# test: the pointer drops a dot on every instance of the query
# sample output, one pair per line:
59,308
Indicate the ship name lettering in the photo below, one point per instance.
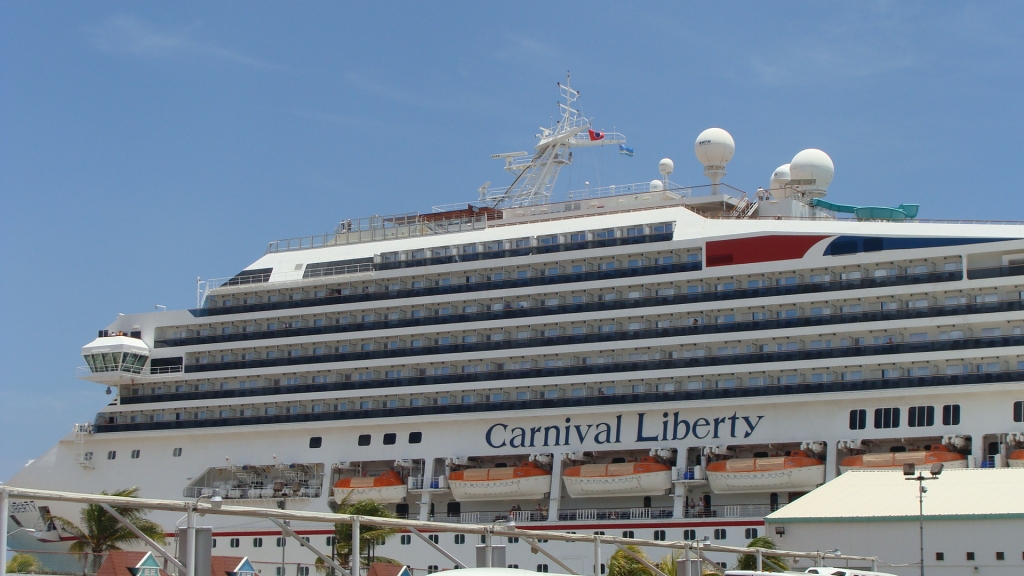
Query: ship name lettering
672,427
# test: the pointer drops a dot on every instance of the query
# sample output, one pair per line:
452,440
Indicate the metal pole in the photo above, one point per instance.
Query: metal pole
190,542
149,541
760,562
920,516
3,530
284,543
597,555
488,551
355,546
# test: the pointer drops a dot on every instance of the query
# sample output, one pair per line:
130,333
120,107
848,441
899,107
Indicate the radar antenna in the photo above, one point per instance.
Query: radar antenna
536,175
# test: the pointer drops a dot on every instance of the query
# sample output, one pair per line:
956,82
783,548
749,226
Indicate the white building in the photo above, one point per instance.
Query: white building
973,521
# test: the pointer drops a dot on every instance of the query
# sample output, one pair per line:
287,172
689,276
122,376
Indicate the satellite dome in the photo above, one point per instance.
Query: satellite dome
657,186
714,147
780,178
811,171
666,166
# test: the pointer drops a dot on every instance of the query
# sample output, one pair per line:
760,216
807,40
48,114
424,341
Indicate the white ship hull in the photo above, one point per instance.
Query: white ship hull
790,480
646,484
531,488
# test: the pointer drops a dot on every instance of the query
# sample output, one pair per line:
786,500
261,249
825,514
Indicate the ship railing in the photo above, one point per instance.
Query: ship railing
616,514
434,483
378,228
253,493
209,285
86,372
524,516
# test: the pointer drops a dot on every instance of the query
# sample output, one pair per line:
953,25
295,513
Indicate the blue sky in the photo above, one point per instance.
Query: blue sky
145,144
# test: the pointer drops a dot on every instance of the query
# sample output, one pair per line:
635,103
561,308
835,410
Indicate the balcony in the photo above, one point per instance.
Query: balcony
730,511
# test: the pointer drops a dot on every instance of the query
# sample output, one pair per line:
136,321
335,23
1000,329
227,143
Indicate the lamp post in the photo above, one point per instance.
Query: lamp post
909,470
216,501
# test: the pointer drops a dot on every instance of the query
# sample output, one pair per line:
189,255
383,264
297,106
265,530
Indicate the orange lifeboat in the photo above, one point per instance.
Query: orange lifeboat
1016,459
528,481
648,477
893,460
386,488
797,472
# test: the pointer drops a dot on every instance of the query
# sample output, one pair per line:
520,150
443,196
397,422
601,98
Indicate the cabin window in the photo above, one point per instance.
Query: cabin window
176,452
951,415
720,534
415,437
921,416
1018,412
750,533
234,542
406,539
970,556
364,440
112,454
627,533
659,535
887,417
316,441
689,535
542,567
390,438
460,538
1000,555
136,454
940,556
257,542
431,569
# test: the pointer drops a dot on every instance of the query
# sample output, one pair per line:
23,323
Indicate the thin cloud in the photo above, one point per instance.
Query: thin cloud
524,49
129,35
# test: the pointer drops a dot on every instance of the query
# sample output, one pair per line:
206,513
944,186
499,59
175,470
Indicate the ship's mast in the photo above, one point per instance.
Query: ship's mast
536,175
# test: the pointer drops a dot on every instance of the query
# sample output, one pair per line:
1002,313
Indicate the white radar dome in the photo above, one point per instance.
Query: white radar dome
780,178
657,186
666,166
811,172
714,147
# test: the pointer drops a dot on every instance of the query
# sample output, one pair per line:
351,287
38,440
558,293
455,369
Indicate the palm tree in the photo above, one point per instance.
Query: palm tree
23,563
99,532
768,563
622,564
369,536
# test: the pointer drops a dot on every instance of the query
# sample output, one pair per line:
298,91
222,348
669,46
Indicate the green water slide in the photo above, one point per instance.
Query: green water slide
901,212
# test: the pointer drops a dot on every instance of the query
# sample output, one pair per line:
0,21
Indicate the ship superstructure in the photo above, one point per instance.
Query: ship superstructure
666,361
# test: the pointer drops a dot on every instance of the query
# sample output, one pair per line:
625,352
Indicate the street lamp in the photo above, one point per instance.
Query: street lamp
909,470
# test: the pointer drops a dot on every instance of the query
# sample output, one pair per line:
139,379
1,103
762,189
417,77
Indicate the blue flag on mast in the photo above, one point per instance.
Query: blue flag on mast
623,149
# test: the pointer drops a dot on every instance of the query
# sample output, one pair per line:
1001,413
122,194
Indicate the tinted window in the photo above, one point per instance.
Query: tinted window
364,439
390,438
415,437
316,442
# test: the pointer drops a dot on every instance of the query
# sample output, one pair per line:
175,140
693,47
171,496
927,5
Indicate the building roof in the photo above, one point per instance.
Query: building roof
382,569
118,562
878,495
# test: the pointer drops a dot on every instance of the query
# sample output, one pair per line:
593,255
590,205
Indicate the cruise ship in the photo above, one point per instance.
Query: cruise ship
652,360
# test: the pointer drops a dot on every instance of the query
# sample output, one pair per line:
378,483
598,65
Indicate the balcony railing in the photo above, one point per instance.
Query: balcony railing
626,398
614,514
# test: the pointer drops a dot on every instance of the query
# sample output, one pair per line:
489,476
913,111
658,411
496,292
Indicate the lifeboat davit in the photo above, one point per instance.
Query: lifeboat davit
892,460
1016,459
798,472
525,482
387,488
648,477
